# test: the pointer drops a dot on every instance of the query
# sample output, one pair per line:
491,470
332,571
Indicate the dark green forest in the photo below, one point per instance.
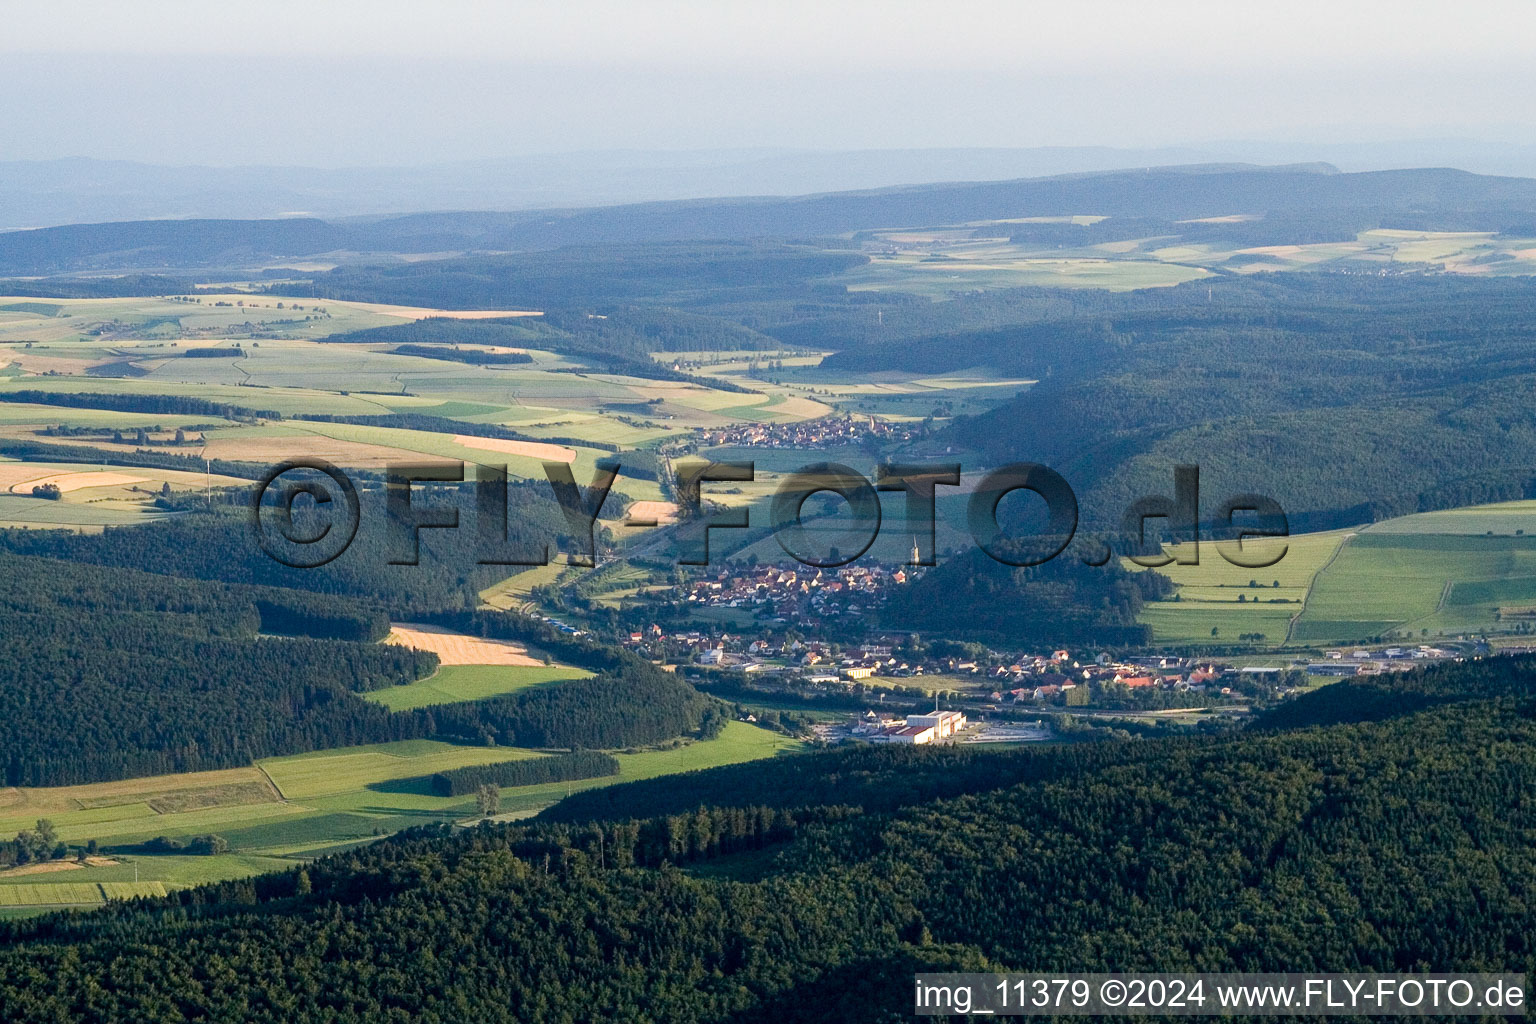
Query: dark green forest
111,673
454,354
1345,398
813,885
579,764
219,545
1063,601
114,674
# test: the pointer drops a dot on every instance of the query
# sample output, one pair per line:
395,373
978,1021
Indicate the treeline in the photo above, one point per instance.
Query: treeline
1303,227
215,352
97,287
38,451
174,405
578,764
445,425
627,702
445,331
32,846
200,846
619,341
636,705
821,884
477,357
598,277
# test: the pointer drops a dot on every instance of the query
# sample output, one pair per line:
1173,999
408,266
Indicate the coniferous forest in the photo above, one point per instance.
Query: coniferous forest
813,888
113,674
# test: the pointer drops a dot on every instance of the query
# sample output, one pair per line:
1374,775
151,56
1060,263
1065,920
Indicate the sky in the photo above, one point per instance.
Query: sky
347,84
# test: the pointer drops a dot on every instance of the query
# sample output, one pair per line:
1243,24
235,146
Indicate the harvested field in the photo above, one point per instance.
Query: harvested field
49,867
527,449
275,449
459,649
665,513
75,481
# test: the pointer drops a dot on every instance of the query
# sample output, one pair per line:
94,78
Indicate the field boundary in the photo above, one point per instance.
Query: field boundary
1290,629
281,796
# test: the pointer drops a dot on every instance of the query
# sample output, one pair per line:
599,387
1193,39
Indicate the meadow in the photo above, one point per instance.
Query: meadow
1208,593
137,346
286,810
1433,574
938,263
516,591
1417,584
452,684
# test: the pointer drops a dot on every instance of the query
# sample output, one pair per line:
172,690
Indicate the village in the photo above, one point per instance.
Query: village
826,432
792,594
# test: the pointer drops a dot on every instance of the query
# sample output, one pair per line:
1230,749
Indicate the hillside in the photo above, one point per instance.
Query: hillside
1171,194
1345,398
109,673
1384,845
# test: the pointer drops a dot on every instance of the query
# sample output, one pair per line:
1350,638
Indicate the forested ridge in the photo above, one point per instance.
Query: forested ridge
108,673
115,674
1347,398
452,353
219,545
618,341
1059,602
816,885
1447,199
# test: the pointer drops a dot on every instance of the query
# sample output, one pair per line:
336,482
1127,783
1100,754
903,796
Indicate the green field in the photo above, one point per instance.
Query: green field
1507,518
738,743
330,800
944,270
338,799
1463,570
452,684
1174,624
352,770
18,510
1208,593
516,591
1420,584
22,894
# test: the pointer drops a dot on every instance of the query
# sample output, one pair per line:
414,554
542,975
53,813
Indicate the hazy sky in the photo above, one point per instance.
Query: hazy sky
387,82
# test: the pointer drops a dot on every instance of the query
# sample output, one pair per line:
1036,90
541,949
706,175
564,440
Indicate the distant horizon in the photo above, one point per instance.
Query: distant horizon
80,190
1234,150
